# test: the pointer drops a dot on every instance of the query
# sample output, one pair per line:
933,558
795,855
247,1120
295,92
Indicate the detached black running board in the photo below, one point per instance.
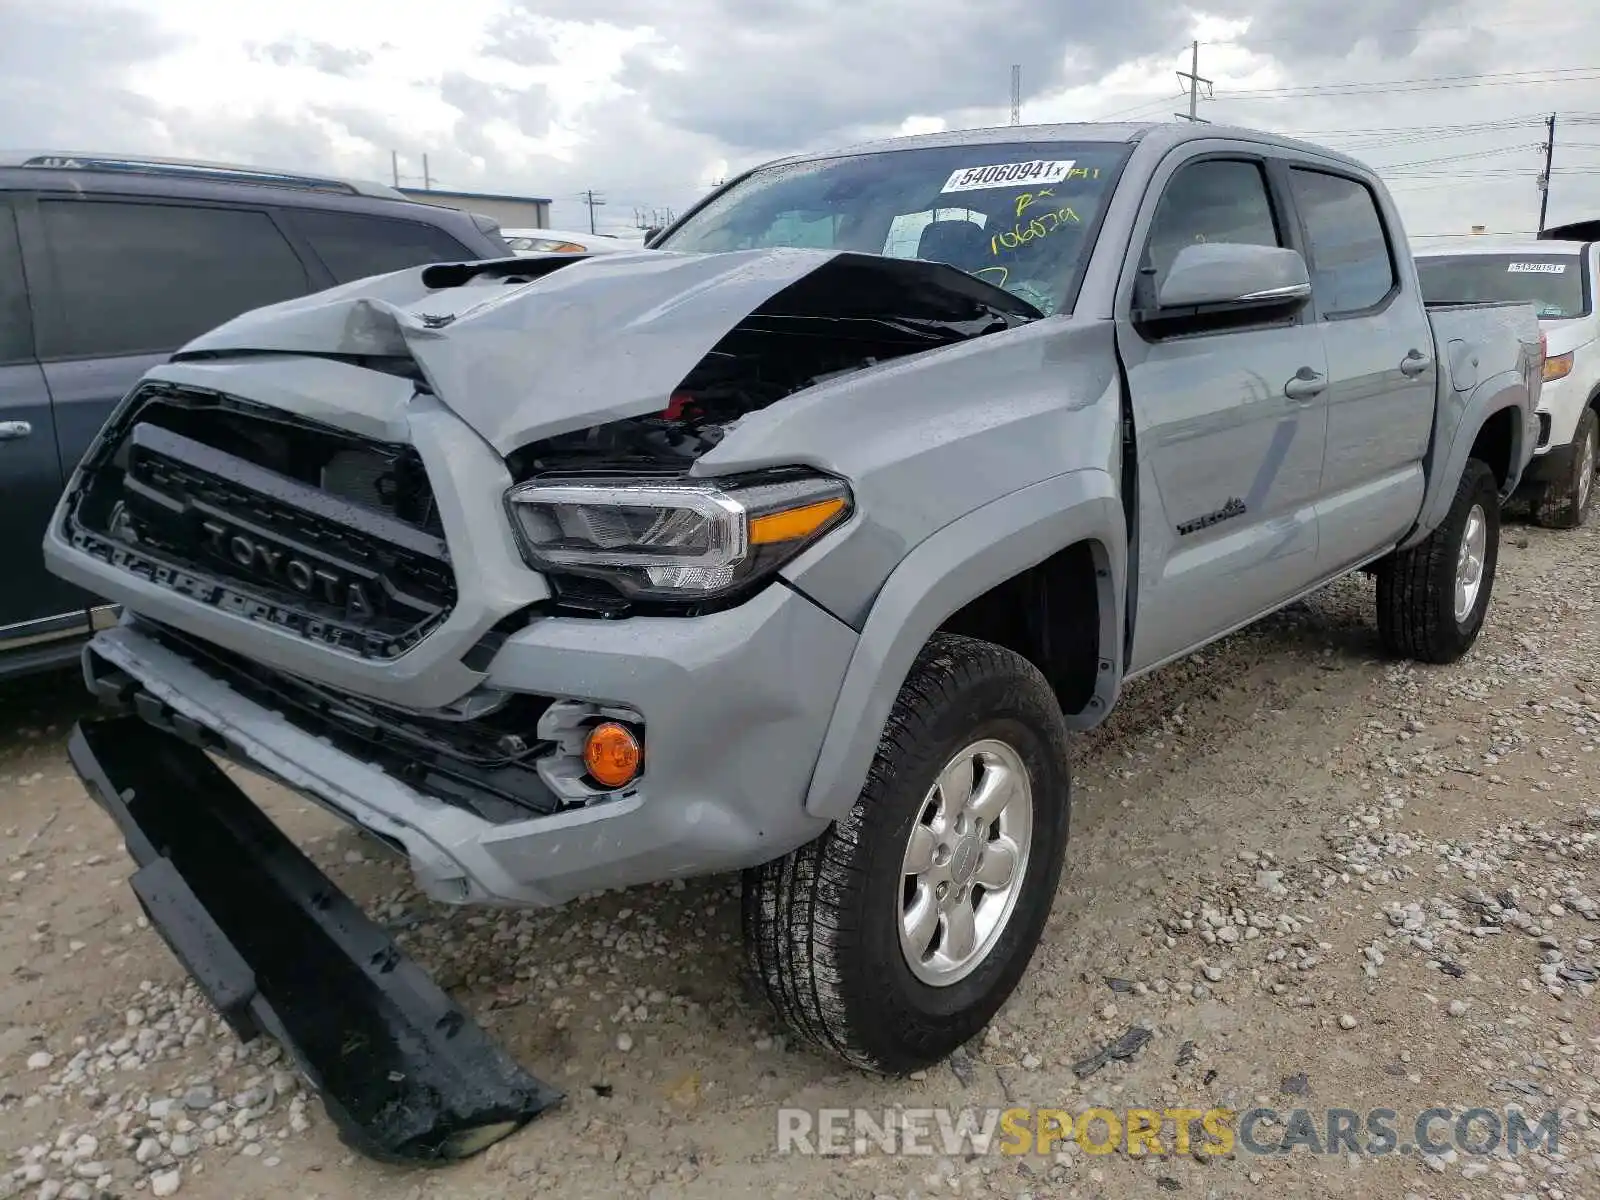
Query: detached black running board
404,1073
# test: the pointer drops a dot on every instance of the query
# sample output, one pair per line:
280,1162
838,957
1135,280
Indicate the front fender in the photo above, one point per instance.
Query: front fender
951,567
1447,458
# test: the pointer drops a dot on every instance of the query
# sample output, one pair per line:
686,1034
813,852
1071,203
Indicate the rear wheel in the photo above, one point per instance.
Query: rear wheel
1433,597
894,938
1565,503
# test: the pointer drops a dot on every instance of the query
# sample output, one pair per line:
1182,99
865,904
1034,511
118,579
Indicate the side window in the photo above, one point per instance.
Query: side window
353,247
144,278
1351,267
16,332
1214,200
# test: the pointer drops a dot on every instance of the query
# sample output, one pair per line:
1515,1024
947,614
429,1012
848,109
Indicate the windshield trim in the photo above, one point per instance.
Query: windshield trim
1091,232
1585,297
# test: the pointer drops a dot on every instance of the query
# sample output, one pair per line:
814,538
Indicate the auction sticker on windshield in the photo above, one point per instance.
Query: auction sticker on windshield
1539,268
1040,170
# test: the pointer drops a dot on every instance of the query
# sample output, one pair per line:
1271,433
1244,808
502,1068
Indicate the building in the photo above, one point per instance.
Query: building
513,212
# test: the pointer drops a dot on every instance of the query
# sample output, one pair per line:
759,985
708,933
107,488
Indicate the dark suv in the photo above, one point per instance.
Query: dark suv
107,265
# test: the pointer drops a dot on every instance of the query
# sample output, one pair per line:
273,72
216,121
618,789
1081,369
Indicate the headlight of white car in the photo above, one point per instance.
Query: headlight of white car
679,540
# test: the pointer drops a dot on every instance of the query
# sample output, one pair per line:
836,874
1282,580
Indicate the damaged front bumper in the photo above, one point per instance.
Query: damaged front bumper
405,1074
733,705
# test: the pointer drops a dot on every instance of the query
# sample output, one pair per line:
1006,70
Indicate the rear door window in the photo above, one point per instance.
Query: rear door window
1351,268
353,246
16,333
136,278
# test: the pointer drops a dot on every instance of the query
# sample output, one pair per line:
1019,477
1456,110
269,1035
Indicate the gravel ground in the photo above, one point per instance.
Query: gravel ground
1315,878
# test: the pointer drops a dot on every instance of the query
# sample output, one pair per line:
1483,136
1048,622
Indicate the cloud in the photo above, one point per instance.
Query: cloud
770,77
319,56
647,102
64,74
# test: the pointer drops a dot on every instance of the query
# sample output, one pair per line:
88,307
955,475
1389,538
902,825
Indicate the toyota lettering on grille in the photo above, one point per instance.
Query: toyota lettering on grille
277,564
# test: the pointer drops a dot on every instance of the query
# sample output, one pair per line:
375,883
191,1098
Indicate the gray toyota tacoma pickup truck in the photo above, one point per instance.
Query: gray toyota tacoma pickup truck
798,544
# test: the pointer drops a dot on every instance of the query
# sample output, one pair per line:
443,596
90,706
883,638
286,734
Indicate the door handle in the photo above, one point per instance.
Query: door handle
1415,363
1305,385
11,431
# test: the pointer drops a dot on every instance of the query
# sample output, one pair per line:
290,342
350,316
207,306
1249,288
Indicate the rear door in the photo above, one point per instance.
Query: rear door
1381,366
128,281
354,245
34,605
1229,419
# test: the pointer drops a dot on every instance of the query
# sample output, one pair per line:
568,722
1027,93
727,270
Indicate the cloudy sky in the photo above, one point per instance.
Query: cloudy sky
648,103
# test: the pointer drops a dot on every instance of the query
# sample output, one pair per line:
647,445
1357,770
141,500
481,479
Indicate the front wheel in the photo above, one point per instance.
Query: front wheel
893,938
1433,597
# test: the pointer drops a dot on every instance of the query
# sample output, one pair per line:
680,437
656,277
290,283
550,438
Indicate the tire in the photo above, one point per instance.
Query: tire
1566,503
1417,593
823,925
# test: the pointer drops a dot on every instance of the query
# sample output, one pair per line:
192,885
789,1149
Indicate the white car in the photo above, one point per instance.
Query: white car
1559,278
564,241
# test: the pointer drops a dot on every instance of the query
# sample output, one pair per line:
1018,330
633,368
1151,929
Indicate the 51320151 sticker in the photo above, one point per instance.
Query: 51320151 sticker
1538,268
1039,171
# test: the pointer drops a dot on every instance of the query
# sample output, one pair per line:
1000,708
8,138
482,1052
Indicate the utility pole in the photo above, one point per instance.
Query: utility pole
593,201
1544,179
1016,93
394,170
1195,80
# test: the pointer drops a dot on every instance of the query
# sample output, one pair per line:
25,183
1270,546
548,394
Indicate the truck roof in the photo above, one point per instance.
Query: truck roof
1480,245
1166,134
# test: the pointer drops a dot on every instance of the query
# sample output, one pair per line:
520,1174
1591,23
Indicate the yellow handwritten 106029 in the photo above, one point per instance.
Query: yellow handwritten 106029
1038,227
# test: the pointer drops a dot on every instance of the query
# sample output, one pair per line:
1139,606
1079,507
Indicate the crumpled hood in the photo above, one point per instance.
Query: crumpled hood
594,339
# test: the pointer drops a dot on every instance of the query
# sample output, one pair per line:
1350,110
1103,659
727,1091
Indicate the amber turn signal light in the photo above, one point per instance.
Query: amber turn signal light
1558,367
791,524
612,754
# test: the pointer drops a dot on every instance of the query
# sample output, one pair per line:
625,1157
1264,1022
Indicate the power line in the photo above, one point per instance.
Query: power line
1146,107
1451,158
1420,84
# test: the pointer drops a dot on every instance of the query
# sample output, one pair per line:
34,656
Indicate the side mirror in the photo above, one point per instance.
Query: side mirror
651,234
1219,278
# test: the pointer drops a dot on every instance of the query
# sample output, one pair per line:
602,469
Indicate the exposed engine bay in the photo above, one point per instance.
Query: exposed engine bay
851,314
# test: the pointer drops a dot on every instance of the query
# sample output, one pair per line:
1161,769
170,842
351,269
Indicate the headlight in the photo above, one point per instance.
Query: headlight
1558,366
678,540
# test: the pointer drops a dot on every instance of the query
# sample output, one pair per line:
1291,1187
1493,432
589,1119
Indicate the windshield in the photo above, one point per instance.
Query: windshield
1553,283
1016,214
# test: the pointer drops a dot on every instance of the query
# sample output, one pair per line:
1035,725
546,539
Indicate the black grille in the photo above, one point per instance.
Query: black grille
278,520
484,765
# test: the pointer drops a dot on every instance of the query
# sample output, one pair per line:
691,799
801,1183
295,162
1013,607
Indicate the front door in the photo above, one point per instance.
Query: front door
1230,422
34,604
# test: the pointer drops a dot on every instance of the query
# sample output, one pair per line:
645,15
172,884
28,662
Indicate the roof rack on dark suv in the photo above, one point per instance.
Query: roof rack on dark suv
110,262
201,169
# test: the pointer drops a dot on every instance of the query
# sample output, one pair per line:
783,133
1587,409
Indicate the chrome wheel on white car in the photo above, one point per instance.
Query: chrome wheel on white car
1565,503
1586,469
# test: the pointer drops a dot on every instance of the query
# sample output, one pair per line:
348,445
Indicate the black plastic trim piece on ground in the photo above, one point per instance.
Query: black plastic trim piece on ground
404,1073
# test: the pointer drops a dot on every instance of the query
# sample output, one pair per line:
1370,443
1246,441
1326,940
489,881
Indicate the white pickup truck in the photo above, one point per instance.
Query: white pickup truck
1557,274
